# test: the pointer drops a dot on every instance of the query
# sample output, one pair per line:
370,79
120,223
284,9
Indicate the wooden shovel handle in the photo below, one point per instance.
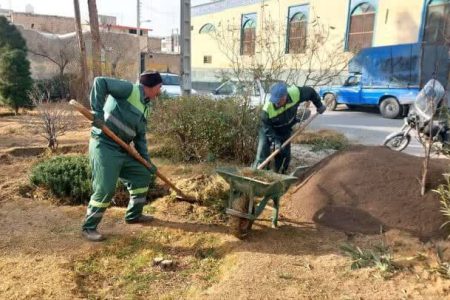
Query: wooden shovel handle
85,112
297,132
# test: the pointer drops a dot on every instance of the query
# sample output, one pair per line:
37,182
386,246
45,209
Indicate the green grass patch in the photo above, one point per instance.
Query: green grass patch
378,257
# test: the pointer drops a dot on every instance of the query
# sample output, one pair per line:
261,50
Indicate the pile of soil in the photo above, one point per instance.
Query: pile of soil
364,189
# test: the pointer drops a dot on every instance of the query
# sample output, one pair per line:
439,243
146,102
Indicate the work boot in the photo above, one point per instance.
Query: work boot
141,219
92,235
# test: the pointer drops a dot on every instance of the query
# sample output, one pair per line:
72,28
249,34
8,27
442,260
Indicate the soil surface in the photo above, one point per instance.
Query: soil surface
369,189
43,256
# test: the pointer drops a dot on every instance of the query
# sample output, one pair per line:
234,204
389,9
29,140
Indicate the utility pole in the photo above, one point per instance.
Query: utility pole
138,29
185,46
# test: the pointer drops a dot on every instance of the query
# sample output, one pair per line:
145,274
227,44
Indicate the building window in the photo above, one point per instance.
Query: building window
207,28
296,29
207,59
362,23
437,22
248,34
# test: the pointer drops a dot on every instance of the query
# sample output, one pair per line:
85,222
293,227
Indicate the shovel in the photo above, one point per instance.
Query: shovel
297,132
131,151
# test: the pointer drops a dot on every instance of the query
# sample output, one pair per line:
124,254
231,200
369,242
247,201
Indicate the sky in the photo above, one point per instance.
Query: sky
164,14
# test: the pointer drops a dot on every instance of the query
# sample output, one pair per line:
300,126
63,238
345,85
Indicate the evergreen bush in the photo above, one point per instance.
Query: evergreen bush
69,179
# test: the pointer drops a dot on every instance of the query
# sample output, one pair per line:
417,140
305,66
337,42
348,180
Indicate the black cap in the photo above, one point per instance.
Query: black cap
150,79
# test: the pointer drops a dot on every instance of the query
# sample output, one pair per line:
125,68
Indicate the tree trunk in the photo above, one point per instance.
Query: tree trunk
62,88
96,43
83,60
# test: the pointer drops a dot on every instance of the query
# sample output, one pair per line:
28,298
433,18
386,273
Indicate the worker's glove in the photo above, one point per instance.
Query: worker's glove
277,145
152,168
98,122
321,109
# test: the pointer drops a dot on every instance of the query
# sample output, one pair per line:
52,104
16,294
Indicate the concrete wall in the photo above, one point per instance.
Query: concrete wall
119,55
44,23
398,22
163,62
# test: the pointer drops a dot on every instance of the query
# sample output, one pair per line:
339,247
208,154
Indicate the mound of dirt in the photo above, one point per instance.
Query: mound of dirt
364,189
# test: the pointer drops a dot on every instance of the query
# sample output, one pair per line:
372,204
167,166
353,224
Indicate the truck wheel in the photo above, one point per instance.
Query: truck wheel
330,101
390,108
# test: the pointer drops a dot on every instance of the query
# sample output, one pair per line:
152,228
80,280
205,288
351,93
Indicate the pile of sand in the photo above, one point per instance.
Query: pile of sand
365,188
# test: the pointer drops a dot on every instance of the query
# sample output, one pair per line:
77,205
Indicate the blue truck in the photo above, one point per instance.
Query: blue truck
389,77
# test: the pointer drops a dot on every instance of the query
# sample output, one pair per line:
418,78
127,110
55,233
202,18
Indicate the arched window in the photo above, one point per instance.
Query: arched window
362,22
207,28
437,22
297,33
248,34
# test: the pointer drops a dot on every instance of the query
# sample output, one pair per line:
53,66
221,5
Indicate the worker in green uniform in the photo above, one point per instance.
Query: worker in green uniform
278,116
123,107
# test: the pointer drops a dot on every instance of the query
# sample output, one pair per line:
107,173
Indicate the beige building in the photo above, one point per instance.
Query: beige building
252,32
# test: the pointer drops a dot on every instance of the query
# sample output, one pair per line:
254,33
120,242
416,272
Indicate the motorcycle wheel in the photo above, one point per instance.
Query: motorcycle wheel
397,142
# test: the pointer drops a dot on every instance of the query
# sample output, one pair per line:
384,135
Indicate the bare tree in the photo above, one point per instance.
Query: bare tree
437,106
57,49
319,61
83,60
52,120
96,41
118,48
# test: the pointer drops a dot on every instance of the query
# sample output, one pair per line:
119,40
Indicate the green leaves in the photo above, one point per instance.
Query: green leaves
15,76
10,37
379,257
202,129
67,177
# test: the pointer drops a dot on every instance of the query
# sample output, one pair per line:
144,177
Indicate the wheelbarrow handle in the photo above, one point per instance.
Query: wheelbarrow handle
297,132
85,112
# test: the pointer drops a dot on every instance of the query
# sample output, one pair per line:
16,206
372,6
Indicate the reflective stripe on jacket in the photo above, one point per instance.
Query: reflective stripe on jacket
125,111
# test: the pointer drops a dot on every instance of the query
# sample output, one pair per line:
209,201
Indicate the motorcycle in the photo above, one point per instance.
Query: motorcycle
439,134
419,121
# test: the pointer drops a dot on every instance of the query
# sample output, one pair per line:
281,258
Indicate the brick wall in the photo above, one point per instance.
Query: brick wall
44,23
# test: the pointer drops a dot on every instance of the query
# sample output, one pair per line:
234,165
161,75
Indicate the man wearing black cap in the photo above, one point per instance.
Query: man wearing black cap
123,107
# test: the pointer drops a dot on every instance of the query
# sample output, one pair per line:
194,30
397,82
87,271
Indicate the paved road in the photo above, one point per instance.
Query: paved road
364,126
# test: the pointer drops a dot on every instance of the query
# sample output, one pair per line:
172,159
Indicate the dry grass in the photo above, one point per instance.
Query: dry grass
323,139
124,267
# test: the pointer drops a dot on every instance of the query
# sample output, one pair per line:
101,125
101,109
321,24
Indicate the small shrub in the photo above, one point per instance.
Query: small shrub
444,193
67,177
378,257
202,129
443,268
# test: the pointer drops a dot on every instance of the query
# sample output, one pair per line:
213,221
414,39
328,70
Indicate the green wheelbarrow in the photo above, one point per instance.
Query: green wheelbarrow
250,191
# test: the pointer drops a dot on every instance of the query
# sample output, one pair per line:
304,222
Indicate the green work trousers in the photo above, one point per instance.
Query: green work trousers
282,159
109,164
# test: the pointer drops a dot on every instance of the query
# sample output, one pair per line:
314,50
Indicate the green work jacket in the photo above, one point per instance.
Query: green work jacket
124,108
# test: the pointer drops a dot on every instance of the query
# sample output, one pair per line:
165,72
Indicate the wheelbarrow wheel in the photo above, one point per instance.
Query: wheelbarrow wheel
240,226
